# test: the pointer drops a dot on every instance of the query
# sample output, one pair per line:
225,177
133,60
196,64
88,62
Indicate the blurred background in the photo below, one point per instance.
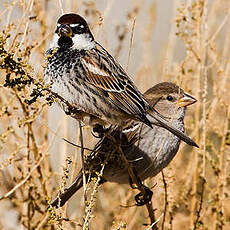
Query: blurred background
186,42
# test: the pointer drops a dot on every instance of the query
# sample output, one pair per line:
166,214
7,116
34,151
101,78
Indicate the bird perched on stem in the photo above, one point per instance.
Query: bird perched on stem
85,75
148,150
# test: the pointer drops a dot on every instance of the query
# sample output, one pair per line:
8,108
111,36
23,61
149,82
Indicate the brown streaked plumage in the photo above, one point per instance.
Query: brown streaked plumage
149,149
82,72
87,76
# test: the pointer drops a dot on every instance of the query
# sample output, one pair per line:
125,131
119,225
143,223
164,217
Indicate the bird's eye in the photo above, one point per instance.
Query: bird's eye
78,28
169,98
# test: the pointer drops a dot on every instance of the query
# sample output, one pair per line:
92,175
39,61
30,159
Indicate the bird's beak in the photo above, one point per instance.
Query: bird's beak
65,30
186,100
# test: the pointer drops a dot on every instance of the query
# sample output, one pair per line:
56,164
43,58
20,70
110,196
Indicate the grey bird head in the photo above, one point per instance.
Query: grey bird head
169,99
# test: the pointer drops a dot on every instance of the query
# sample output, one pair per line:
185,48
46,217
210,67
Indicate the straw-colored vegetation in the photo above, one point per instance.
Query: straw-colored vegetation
191,47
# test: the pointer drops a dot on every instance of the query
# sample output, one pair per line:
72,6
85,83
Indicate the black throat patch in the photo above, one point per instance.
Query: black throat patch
65,42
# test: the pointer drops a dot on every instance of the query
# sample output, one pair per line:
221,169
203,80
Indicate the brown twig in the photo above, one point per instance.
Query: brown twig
75,145
166,200
131,43
138,183
83,162
23,181
151,215
200,204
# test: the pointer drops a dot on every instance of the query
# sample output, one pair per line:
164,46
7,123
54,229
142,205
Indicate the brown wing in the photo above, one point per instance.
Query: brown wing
132,131
103,72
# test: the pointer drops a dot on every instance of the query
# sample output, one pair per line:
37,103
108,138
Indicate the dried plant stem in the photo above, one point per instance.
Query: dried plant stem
196,164
166,200
29,126
220,27
200,205
137,182
24,180
170,49
154,223
61,6
152,215
202,72
131,43
92,198
43,222
83,161
221,180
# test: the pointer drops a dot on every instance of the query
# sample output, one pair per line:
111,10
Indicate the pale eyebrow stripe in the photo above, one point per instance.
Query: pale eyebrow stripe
74,25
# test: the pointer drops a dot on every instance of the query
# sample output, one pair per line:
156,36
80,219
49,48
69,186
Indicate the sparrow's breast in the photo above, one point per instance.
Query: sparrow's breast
153,152
66,76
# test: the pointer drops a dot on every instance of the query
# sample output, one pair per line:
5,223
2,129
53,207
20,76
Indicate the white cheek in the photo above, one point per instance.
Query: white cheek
82,41
54,42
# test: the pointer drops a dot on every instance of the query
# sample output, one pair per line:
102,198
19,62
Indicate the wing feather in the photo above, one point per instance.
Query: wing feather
104,73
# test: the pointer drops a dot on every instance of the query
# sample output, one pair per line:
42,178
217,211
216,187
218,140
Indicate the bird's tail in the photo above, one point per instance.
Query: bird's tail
60,200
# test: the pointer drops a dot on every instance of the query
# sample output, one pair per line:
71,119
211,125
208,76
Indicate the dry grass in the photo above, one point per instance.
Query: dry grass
191,47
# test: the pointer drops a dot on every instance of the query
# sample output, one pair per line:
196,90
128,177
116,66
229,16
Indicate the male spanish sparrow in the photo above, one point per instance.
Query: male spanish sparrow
82,72
148,149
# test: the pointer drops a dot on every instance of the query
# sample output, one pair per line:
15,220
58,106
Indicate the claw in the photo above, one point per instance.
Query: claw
99,131
144,199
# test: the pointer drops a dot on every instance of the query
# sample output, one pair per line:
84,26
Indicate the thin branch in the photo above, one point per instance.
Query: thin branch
23,181
200,204
90,206
79,146
154,223
135,180
131,42
152,216
166,200
83,162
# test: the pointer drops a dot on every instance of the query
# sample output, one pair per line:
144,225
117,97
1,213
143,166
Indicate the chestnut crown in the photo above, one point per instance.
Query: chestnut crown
77,24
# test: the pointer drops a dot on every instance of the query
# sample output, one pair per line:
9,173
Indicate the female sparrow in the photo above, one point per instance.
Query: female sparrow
148,149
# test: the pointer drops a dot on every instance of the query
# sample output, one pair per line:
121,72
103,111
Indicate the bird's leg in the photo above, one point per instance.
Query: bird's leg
132,185
138,180
144,190
145,195
99,131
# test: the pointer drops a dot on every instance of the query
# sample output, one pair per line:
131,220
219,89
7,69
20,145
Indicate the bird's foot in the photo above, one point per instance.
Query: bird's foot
142,199
99,131
71,110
